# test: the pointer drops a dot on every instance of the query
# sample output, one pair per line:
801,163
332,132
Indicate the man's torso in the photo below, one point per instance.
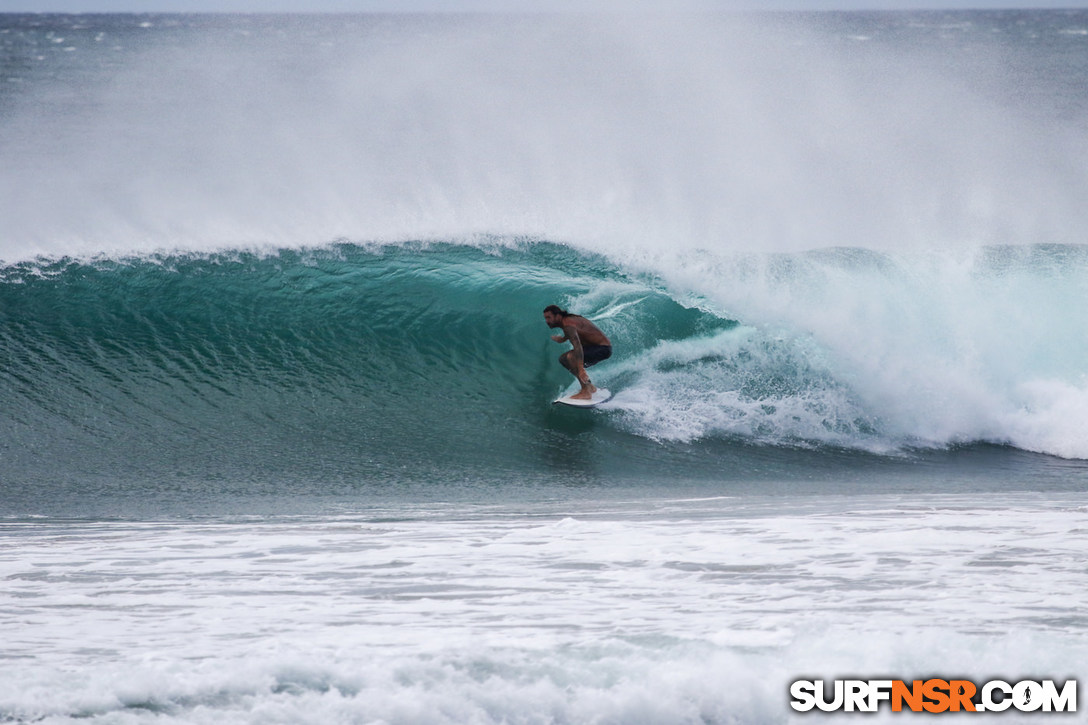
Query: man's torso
588,333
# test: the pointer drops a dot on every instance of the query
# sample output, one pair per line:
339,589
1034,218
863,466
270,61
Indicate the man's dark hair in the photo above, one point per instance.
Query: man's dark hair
555,310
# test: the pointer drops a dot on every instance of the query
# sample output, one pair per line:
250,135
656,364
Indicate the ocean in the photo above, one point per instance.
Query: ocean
276,434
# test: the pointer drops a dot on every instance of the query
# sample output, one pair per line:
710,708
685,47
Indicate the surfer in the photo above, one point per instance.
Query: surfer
588,346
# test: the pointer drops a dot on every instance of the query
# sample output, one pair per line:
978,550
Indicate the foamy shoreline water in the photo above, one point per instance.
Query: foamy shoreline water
695,609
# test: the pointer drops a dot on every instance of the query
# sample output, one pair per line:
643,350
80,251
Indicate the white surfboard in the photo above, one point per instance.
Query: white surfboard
601,396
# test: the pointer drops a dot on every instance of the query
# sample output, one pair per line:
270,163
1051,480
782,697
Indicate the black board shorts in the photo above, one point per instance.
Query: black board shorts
593,354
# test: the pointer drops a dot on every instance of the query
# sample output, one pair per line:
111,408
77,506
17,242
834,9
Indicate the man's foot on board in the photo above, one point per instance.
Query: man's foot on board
585,393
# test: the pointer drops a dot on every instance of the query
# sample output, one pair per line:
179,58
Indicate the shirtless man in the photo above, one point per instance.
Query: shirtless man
588,346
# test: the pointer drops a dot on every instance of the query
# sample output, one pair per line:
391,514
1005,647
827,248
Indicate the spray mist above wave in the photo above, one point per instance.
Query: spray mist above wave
621,132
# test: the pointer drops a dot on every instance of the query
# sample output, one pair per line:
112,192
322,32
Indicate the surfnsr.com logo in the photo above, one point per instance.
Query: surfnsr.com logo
934,696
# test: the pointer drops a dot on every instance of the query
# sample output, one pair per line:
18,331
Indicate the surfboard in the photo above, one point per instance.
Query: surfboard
601,396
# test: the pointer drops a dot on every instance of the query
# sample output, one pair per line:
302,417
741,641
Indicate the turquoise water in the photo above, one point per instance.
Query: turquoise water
305,379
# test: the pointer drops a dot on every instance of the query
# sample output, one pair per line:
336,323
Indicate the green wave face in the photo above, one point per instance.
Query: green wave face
357,366
345,362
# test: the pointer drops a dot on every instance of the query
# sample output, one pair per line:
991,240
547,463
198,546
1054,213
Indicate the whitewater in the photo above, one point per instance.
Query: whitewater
276,433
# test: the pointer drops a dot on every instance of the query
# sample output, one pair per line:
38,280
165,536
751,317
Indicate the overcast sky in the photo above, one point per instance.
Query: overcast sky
492,5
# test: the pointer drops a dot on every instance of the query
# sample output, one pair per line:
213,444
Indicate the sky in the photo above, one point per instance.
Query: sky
90,6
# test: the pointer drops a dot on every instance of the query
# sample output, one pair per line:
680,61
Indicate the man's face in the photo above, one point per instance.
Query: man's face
552,320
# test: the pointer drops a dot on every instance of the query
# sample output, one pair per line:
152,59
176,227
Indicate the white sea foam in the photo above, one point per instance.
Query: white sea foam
746,384
660,612
877,351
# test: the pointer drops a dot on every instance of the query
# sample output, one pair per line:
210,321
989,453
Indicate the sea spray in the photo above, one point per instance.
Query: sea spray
633,132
